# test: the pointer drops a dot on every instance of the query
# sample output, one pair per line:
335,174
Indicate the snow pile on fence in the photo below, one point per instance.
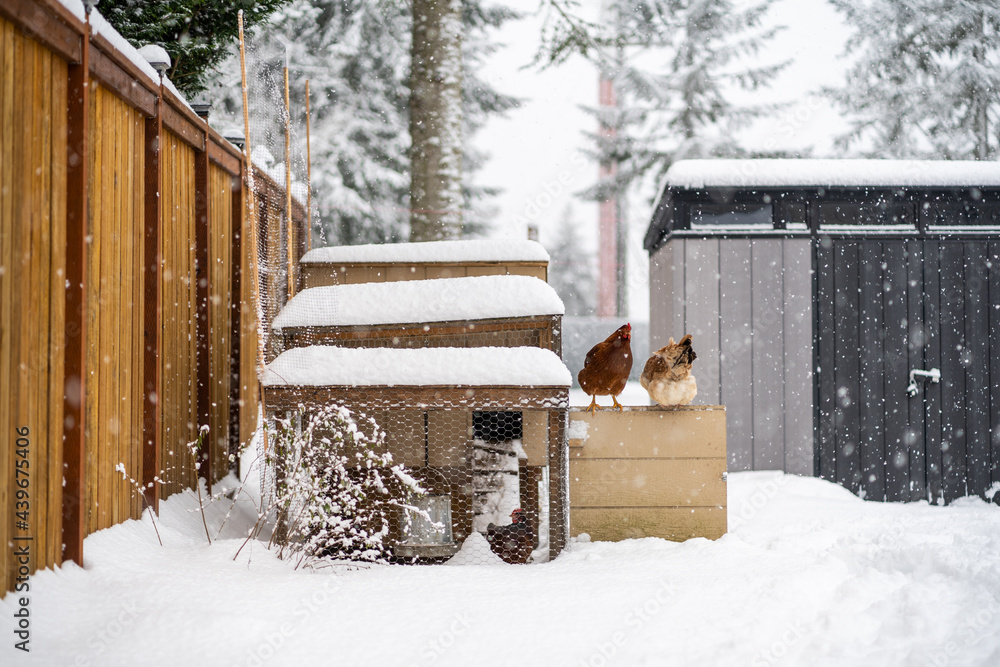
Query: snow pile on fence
441,300
445,252
831,173
319,366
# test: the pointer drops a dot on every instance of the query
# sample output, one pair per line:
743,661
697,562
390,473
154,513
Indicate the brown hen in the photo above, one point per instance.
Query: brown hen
606,368
513,543
667,374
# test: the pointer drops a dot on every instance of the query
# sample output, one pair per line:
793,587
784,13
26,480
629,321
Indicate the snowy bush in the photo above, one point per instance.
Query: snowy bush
336,486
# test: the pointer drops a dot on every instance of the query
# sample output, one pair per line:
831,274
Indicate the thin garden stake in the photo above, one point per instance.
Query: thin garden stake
288,189
309,169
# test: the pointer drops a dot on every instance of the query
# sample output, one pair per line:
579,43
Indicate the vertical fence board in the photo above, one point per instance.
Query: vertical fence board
916,339
896,359
32,291
736,350
932,403
798,358
768,350
953,436
871,355
994,301
57,205
847,367
976,360
220,308
179,399
701,260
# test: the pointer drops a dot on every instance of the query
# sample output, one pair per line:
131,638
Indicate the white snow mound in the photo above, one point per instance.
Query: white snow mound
319,366
475,551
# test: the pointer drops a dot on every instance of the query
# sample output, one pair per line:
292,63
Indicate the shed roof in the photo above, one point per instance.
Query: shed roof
320,366
439,300
831,173
480,250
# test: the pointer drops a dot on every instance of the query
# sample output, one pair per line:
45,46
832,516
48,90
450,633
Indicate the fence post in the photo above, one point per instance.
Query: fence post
153,316
235,320
75,351
202,221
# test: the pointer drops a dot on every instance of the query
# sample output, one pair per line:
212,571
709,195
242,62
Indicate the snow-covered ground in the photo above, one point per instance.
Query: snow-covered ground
808,575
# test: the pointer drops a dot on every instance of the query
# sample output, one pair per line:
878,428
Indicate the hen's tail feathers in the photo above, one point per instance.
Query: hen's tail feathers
686,354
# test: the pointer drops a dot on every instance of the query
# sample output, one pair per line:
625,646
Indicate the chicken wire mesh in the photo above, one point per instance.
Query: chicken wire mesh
483,480
489,457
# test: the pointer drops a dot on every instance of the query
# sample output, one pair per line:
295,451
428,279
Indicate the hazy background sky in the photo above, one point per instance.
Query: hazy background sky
541,139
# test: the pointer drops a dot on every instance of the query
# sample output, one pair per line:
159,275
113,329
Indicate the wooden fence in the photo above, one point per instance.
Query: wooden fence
125,318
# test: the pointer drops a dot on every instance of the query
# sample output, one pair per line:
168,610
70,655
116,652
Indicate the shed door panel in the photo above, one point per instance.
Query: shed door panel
888,306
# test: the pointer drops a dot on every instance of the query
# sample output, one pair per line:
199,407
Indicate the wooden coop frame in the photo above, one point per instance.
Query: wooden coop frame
541,331
429,402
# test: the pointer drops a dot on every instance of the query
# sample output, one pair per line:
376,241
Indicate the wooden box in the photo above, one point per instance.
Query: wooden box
648,472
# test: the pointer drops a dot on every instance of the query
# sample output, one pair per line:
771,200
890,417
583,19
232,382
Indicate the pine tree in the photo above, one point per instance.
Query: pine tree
675,66
356,55
197,34
571,271
927,81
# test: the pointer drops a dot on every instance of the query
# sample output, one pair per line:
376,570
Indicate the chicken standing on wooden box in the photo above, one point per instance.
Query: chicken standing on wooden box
607,366
667,375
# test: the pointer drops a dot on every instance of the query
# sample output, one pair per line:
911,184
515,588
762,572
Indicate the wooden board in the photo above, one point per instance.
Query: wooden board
798,360
114,364
178,398
661,302
671,523
768,353
701,259
317,275
646,483
736,357
688,432
219,313
33,190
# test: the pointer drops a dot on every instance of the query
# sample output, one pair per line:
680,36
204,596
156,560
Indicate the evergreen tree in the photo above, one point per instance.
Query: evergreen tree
571,270
196,34
927,81
356,55
676,66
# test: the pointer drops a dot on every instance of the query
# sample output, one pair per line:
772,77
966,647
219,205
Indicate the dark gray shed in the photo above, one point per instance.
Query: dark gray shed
822,295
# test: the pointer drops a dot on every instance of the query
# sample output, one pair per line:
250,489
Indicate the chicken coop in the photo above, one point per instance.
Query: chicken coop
463,374
847,313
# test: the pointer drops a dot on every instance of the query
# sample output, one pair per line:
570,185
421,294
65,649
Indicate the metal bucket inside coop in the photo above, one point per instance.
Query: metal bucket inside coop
427,531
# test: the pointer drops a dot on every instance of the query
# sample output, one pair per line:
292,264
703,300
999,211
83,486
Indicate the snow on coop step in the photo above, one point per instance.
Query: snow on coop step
648,472
391,262
501,311
443,366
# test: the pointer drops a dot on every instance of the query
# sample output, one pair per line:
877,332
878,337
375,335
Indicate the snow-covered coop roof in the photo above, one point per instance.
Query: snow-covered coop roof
320,366
440,300
484,250
831,173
